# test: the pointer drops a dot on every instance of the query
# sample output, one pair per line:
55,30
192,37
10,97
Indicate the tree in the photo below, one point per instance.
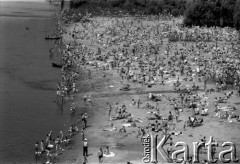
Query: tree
236,15
227,12
213,13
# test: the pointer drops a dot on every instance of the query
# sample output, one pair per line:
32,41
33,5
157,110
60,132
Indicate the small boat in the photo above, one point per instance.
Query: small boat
52,38
57,65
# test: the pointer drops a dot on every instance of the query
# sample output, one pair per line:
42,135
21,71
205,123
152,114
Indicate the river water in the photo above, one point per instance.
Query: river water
27,80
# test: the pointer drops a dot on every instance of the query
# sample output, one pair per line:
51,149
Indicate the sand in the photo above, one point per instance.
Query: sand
126,146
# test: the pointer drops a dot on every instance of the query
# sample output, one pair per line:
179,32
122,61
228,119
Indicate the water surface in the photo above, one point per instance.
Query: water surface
27,80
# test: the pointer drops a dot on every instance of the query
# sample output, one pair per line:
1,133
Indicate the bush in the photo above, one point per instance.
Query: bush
236,19
153,8
175,12
128,5
213,13
140,3
78,3
236,16
118,3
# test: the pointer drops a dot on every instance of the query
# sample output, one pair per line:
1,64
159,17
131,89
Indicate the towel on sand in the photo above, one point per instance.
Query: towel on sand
112,154
110,129
127,124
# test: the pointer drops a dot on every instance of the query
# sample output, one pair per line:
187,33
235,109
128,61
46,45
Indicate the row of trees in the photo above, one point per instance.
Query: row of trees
196,12
175,7
213,13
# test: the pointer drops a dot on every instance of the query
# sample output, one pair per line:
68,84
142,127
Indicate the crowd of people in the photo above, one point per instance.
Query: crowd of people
147,52
49,149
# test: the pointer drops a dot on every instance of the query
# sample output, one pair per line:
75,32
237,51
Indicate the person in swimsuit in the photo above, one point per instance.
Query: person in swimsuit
107,152
100,155
36,148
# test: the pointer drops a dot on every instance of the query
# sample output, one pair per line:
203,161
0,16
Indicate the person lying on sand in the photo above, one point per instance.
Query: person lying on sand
130,119
123,129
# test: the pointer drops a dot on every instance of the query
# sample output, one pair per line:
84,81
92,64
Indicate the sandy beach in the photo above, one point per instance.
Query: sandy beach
104,87
119,81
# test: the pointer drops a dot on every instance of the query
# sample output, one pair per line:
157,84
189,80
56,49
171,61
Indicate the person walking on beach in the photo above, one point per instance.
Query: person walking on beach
89,74
100,155
82,134
84,120
85,148
138,103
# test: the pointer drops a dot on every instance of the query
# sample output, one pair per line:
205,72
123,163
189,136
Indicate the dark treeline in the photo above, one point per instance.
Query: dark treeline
196,12
213,13
174,7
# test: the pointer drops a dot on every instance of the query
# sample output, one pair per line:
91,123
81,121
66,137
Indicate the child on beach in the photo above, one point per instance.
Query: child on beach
133,102
107,152
85,160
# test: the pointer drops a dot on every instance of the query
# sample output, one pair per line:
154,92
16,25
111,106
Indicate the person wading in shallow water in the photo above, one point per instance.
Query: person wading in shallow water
36,148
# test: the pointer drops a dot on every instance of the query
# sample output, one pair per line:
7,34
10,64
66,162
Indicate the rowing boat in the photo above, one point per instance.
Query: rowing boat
57,65
52,38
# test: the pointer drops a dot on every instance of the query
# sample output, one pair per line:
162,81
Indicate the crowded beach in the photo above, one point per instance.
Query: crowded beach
124,78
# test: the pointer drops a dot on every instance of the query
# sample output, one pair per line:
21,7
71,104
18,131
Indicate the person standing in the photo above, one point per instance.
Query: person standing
205,78
82,134
74,87
42,147
89,74
36,148
109,110
116,109
57,142
85,148
100,155
62,4
50,135
61,137
84,120
138,103
177,114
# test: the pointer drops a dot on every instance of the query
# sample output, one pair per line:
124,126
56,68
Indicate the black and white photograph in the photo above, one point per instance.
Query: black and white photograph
119,81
